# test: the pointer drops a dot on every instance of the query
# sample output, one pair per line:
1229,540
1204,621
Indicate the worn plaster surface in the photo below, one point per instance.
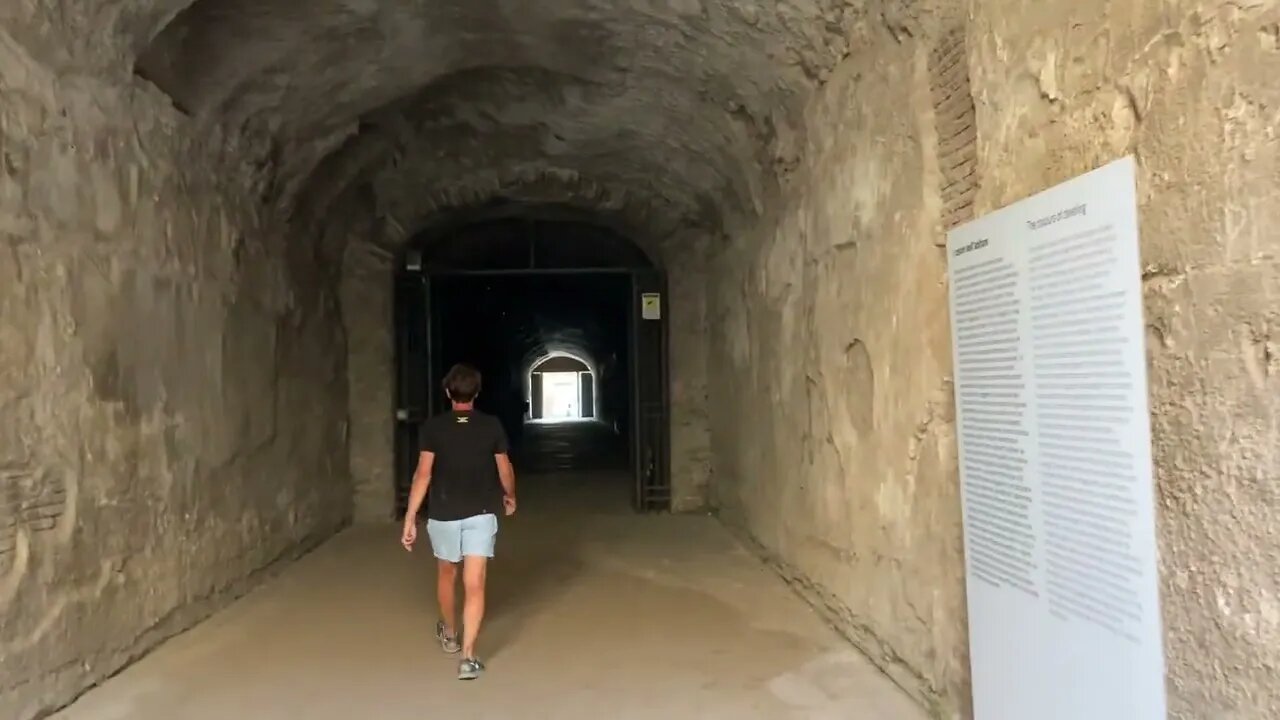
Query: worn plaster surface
1189,89
851,486
831,405
686,309
169,281
160,342
367,318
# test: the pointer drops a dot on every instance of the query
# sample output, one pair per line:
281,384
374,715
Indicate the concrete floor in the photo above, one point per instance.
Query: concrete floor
594,612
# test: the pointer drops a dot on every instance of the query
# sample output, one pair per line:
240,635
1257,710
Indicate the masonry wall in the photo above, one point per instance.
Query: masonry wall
171,380
832,425
367,317
1189,88
831,409
686,308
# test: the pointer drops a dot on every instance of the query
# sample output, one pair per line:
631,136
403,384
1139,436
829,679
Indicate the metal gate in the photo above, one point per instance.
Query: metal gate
587,395
417,373
535,396
650,429
414,375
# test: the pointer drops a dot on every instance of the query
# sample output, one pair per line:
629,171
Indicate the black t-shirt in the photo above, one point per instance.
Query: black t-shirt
464,475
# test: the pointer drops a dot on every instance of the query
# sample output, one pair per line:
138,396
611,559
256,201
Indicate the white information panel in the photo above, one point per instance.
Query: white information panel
1055,456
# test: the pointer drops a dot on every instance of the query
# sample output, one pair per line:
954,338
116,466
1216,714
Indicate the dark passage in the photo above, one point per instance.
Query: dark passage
505,325
550,313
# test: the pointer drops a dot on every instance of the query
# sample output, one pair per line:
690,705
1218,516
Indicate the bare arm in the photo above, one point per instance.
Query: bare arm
506,474
421,481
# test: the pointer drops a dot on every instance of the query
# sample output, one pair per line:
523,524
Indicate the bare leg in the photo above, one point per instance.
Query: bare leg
446,584
473,575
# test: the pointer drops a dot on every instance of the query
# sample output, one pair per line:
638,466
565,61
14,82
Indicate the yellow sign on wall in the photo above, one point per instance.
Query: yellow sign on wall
651,306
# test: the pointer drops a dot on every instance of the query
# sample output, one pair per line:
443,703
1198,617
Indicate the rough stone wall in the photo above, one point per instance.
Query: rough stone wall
830,354
687,349
169,381
367,316
831,404
1190,88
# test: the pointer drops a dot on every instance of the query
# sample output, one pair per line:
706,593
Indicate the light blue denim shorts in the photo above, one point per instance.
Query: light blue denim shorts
453,539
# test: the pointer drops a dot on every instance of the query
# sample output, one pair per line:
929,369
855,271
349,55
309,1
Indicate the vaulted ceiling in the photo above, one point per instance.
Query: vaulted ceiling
654,114
663,113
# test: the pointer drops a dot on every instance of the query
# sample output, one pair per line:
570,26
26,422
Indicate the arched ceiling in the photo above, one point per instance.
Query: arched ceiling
561,362
514,237
664,113
559,344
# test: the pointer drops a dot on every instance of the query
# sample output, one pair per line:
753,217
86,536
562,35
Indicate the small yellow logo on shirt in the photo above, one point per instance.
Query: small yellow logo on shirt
463,418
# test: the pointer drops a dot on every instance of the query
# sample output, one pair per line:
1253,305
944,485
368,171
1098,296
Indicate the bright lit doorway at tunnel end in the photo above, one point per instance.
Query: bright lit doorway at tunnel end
561,396
561,389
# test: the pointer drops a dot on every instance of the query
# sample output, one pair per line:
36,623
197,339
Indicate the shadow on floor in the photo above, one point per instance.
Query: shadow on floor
579,446
531,568
565,472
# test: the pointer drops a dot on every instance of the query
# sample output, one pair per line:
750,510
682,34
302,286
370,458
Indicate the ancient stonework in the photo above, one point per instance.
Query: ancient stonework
171,381
863,515
189,344
366,310
956,121
829,330
690,432
1188,89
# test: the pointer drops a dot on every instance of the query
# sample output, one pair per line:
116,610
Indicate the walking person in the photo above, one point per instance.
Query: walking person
465,473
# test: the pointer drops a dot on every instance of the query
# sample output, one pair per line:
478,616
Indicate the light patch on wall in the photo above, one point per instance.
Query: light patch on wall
892,500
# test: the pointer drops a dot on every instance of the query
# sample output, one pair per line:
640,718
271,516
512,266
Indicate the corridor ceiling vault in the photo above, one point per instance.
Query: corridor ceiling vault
655,114
203,205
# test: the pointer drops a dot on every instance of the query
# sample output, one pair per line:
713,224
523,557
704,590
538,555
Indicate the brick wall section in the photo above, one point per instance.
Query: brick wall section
955,117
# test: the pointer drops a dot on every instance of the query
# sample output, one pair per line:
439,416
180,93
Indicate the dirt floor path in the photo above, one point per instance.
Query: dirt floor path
594,612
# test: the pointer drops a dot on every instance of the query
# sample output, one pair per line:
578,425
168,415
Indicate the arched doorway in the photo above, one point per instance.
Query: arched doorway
561,388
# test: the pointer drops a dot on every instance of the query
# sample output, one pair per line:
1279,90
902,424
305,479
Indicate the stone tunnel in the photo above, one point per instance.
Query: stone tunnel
204,205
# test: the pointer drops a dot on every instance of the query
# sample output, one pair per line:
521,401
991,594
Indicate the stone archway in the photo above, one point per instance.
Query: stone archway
583,378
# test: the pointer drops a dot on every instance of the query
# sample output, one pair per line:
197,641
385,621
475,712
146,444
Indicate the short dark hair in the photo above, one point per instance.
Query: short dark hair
462,383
